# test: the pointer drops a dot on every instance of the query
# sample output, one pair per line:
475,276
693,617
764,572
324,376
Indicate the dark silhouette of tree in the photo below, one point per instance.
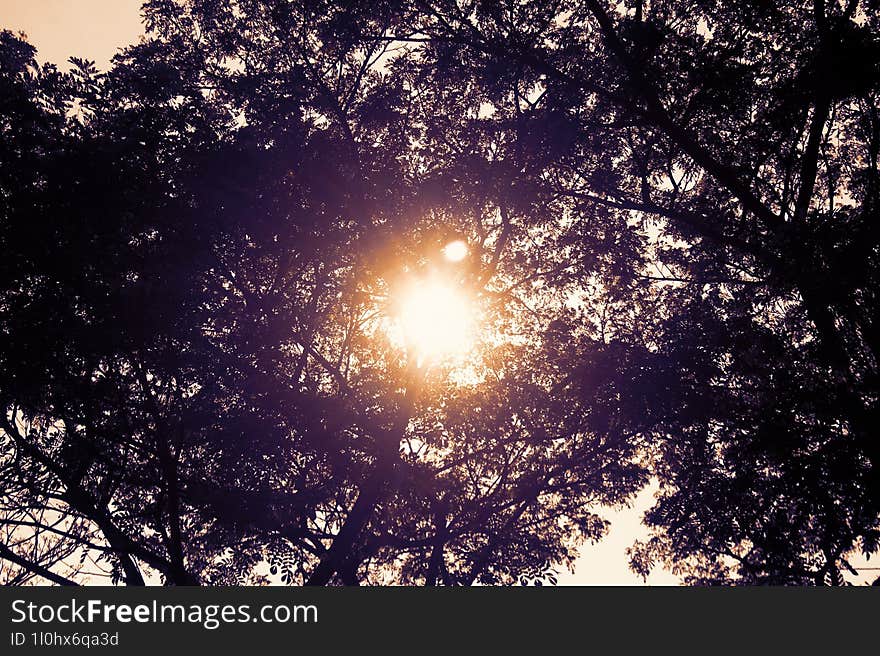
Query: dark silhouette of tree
670,211
745,135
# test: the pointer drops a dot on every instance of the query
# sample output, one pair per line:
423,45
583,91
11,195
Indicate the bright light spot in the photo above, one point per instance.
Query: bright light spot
436,318
455,251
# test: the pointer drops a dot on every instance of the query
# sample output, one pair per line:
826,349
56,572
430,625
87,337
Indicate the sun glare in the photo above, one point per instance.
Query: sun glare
455,251
436,318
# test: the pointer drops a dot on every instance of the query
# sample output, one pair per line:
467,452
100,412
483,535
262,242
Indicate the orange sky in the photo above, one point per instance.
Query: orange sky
96,29
92,29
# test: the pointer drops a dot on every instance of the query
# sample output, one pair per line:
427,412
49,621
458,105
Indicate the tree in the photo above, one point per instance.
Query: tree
746,135
668,211
226,383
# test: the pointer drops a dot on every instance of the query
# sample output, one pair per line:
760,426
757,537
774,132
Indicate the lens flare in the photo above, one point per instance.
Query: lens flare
455,251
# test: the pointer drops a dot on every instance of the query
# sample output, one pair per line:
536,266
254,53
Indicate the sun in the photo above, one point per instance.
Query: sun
436,318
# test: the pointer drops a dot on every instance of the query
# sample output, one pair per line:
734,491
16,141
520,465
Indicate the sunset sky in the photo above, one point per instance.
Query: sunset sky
96,30
93,29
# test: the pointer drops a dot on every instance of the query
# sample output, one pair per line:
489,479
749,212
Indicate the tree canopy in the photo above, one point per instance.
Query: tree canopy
670,211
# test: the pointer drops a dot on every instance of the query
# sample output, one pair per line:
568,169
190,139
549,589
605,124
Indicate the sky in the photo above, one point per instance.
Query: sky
92,29
96,30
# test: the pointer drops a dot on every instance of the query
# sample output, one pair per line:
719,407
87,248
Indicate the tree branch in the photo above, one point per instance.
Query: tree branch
39,570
